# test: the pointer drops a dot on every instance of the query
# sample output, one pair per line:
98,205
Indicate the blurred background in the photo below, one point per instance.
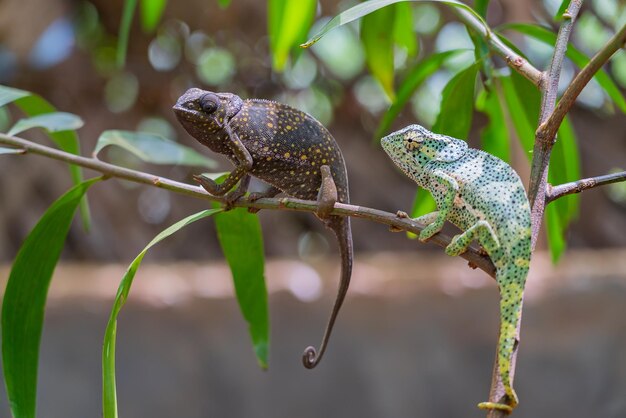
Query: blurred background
417,334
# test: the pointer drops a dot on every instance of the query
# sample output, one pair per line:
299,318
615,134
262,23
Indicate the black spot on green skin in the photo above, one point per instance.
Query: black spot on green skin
288,148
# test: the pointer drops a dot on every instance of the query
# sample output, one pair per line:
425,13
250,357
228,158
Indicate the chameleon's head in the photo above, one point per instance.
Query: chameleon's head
203,113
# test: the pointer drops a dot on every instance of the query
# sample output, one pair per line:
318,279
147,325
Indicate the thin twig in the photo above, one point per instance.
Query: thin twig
555,192
475,257
512,58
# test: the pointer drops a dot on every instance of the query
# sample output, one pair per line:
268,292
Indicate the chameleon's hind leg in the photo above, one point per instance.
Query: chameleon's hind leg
327,195
253,197
480,231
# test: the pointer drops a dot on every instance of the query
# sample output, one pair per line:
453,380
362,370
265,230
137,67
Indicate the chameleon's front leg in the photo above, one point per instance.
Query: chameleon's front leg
435,220
238,174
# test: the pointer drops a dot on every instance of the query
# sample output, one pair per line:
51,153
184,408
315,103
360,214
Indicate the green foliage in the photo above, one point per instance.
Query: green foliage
51,122
25,299
109,394
151,12
288,25
240,237
494,137
125,23
457,104
153,148
378,42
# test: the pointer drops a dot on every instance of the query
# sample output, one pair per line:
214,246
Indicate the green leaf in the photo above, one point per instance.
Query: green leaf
423,203
240,237
562,8
34,105
378,42
151,12
289,23
51,122
457,104
365,8
25,300
481,7
125,23
109,394
223,3
546,36
413,80
523,101
554,229
403,33
495,136
153,148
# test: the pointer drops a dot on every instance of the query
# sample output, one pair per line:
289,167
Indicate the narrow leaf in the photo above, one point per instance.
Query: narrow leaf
223,3
403,33
457,104
562,8
34,105
240,237
546,36
288,24
481,7
523,108
365,8
151,12
125,23
554,230
378,42
153,148
25,300
413,80
51,122
109,394
495,136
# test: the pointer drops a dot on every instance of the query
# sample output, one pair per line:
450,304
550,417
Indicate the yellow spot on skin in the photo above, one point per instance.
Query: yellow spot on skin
303,157
323,160
520,262
269,125
269,158
308,172
266,149
287,155
292,172
288,127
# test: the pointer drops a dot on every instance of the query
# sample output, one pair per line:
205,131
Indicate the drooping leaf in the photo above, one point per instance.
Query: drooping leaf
522,101
413,80
481,7
288,24
25,300
153,148
240,237
403,33
423,203
365,8
51,122
223,3
495,136
457,104
554,230
378,43
151,12
34,105
546,36
109,394
122,38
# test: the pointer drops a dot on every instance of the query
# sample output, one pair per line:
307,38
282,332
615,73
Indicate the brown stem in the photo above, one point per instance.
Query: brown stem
475,258
555,192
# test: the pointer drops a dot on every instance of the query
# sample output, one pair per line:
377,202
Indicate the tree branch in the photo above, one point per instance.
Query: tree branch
512,58
474,256
555,192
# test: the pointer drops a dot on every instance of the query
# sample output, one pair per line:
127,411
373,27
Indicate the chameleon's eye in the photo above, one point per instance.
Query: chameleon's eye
209,103
411,142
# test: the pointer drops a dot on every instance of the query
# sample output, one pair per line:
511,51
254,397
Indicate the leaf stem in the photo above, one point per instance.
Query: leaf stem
474,256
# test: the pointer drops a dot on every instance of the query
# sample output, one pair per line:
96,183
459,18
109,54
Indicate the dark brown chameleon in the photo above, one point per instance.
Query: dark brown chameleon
286,148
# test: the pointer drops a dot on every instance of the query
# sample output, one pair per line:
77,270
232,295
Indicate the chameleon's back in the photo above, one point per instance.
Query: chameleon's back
289,147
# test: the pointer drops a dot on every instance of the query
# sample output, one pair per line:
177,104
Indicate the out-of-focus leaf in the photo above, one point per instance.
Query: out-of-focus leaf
370,6
562,8
122,38
523,108
223,3
565,167
403,33
51,122
153,148
546,36
289,23
240,237
25,300
151,12
377,41
457,104
423,203
495,136
554,229
413,80
34,105
109,394
481,7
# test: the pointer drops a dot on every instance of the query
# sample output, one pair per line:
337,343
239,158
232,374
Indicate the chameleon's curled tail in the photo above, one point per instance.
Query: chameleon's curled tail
341,228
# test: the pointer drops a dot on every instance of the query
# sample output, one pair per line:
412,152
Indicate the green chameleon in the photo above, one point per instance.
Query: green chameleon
285,147
485,198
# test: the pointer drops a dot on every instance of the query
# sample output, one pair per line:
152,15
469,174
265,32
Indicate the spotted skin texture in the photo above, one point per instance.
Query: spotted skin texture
282,146
485,198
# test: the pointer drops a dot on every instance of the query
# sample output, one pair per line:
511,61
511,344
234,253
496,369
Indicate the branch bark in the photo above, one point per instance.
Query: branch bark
555,192
475,257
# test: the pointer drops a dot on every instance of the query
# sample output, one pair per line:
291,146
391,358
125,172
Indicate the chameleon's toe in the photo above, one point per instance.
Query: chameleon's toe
429,231
453,249
206,183
495,405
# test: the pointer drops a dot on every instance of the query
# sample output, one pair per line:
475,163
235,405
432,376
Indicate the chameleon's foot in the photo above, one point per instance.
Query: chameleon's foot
402,214
495,405
207,184
430,230
232,197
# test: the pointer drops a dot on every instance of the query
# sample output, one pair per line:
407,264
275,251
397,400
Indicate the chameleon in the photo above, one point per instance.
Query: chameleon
286,148
485,198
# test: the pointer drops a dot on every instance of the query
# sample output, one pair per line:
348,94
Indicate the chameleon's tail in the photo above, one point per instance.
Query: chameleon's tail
341,228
